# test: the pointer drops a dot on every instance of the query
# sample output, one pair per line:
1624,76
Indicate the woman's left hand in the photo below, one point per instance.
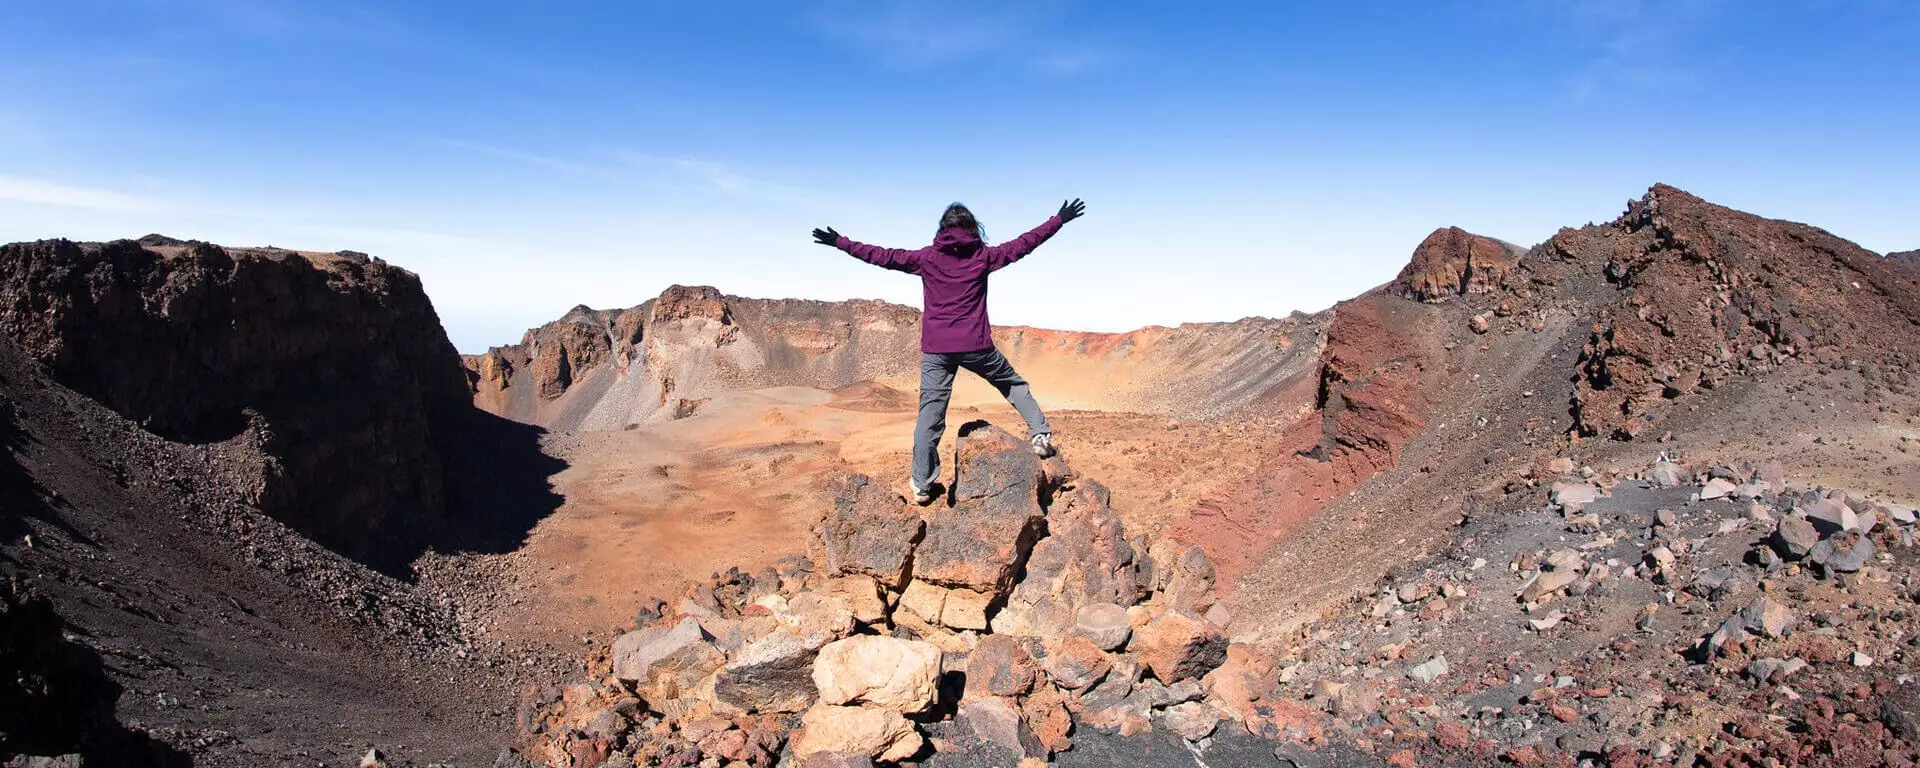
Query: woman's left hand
1072,209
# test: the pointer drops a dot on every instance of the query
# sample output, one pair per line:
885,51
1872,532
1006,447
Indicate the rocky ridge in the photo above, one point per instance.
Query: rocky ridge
986,625
666,358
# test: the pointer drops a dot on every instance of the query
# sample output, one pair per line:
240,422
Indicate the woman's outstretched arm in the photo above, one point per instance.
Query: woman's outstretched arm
998,256
891,258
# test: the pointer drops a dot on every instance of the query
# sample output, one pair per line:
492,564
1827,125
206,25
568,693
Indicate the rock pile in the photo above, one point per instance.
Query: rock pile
997,620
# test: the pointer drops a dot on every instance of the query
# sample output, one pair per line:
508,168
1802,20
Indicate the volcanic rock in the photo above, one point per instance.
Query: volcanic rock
773,674
994,520
880,734
1794,537
1844,552
886,672
1076,664
1768,618
996,721
1192,721
1105,624
869,531
1177,646
1000,666
681,654
1453,262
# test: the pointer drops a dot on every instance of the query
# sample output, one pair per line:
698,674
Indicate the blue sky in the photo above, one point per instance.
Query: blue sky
1237,158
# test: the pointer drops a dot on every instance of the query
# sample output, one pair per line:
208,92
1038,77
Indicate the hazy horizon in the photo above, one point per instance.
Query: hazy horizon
1237,159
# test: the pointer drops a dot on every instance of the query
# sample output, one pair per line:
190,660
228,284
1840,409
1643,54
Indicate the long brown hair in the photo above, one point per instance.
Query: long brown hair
958,217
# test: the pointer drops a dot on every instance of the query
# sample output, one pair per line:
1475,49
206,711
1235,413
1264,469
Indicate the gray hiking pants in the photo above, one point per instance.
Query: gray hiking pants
936,388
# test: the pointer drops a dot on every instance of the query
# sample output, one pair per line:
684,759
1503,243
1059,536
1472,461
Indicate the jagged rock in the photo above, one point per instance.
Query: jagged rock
1831,516
1105,624
880,734
1245,678
1454,262
1794,537
1000,666
1192,721
1177,646
1190,579
869,531
773,674
1085,558
994,520
996,721
1566,560
1546,583
1076,664
1048,719
1546,622
1901,710
1774,670
1433,669
1896,513
1573,496
1115,703
885,672
818,617
1731,630
1768,618
1844,552
1716,488
1666,474
681,654
372,759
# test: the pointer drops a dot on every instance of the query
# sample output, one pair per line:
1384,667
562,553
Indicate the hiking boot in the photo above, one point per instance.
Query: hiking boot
1043,445
921,496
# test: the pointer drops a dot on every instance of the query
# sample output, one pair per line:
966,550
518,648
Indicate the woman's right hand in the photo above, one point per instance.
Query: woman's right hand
1072,209
826,236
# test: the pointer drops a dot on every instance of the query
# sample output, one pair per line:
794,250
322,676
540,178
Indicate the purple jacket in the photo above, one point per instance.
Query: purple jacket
953,281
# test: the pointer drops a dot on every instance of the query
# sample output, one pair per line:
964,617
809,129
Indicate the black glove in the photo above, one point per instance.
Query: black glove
826,236
1072,209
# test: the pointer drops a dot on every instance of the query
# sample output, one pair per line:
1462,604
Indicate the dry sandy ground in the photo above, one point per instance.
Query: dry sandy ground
649,510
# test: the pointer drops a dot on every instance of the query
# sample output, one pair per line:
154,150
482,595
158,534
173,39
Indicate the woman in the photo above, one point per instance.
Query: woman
954,333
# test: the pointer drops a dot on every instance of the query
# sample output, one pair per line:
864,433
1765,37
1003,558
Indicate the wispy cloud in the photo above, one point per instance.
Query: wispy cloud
1636,46
16,189
919,34
668,172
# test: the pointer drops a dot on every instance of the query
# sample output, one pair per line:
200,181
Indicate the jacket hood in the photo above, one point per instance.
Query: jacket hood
955,241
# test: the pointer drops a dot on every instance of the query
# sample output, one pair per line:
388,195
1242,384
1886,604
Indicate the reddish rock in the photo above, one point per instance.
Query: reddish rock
1451,735
994,519
869,531
1454,262
1178,646
1000,666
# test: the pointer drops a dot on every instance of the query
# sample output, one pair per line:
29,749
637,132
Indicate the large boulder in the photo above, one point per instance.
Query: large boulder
677,657
869,531
1454,262
979,541
1178,645
1076,664
1000,666
880,734
884,672
773,674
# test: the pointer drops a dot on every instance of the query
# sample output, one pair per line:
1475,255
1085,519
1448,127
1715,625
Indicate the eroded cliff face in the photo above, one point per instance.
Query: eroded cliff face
605,369
331,370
